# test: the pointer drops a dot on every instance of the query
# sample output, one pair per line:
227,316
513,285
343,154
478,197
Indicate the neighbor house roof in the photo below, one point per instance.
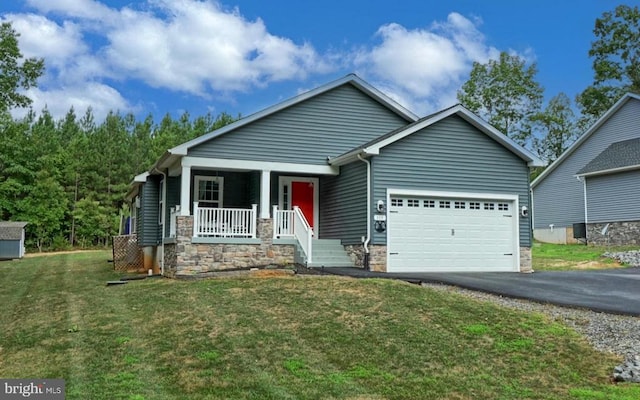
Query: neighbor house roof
11,230
174,153
619,156
373,147
584,137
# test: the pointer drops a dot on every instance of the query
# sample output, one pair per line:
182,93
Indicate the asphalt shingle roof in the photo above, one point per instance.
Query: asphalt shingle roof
618,155
11,230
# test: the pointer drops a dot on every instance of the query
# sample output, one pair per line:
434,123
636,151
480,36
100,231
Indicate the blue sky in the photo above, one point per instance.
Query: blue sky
170,56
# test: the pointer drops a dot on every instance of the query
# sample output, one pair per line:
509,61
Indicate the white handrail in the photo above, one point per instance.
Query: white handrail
303,232
224,222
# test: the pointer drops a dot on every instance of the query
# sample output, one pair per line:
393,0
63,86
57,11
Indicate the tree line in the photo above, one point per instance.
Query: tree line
68,177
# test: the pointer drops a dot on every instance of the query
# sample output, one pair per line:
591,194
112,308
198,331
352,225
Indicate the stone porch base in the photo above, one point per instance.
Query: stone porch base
204,258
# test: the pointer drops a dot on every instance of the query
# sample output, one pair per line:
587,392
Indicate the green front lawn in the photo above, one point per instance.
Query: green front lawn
547,256
281,338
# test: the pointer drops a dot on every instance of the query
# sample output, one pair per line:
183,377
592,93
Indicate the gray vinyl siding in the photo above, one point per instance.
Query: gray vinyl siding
173,199
559,198
329,124
10,249
614,198
148,227
451,155
343,204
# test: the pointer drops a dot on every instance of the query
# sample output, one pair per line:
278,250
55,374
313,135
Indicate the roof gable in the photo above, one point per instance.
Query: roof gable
373,147
594,128
350,79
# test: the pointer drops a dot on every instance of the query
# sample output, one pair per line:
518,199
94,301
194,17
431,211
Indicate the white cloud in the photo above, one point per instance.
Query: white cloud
82,9
101,98
423,68
200,46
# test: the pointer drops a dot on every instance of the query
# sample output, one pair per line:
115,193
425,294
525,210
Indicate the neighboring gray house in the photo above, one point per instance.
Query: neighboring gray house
340,175
594,186
11,240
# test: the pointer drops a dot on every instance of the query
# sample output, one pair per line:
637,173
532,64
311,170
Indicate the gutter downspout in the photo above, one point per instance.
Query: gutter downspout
164,215
368,238
583,179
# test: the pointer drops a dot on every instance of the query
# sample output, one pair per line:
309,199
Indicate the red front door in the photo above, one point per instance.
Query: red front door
302,196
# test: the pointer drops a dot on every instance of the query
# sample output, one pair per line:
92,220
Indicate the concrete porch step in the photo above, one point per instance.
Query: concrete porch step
329,253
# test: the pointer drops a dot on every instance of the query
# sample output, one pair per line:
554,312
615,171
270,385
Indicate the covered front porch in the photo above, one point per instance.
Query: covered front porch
226,214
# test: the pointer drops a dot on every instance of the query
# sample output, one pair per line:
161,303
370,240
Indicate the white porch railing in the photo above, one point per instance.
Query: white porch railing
224,222
282,223
293,224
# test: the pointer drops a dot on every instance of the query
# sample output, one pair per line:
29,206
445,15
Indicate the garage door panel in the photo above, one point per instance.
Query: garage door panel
451,234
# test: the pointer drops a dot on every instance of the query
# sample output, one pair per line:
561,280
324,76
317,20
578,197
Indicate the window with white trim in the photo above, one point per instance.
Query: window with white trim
208,191
489,206
474,205
413,203
430,204
503,206
396,202
460,205
444,204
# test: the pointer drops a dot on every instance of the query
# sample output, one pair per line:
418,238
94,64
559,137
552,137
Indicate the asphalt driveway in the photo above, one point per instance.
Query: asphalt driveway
615,291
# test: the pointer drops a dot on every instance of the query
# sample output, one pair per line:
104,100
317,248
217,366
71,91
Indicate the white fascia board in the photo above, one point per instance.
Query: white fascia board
249,165
352,156
584,137
610,171
140,178
449,194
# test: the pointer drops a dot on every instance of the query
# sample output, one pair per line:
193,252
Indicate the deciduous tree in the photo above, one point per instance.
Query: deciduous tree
505,93
556,126
616,61
15,73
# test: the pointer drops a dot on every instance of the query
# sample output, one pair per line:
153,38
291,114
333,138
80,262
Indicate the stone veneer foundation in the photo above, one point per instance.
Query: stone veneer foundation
190,257
377,256
526,264
618,233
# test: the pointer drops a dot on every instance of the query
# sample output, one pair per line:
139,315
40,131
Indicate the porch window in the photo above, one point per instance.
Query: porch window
208,191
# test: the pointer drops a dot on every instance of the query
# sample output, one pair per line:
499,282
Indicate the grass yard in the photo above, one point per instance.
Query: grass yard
547,256
280,338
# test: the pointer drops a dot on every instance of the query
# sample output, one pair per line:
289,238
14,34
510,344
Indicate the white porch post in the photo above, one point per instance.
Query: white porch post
185,191
265,193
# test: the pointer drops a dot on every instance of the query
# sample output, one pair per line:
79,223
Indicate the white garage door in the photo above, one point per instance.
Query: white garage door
431,234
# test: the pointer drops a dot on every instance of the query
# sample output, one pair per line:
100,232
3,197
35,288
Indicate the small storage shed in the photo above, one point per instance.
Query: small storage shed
11,239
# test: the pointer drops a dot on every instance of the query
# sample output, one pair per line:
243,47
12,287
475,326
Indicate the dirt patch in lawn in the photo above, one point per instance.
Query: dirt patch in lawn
55,253
582,265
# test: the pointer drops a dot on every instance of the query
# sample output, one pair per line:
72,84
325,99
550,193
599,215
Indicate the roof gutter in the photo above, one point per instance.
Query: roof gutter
610,171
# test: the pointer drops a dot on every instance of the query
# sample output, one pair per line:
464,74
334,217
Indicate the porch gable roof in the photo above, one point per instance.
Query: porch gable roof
373,147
